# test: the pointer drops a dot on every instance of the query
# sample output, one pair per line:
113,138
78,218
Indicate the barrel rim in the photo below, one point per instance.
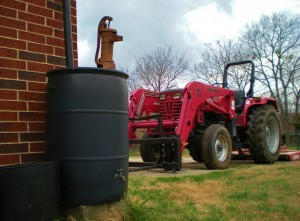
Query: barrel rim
87,70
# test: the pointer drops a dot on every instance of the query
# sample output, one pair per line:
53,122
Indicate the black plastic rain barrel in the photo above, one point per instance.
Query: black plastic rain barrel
87,131
30,192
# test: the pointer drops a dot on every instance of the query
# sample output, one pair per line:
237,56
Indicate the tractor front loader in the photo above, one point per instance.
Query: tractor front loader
210,121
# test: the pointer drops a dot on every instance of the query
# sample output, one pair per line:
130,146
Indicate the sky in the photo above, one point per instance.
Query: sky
184,24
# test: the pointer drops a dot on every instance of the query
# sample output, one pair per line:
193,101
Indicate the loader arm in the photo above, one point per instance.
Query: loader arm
199,98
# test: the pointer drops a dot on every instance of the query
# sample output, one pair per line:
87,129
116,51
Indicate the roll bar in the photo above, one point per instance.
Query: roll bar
252,78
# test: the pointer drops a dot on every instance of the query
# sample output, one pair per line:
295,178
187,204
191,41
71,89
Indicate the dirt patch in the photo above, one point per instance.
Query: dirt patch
189,167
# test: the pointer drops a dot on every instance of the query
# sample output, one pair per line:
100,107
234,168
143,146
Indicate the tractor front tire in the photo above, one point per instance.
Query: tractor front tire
264,134
194,147
216,147
153,152
149,152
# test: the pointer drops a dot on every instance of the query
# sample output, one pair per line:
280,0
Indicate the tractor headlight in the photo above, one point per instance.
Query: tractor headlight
177,95
257,99
162,97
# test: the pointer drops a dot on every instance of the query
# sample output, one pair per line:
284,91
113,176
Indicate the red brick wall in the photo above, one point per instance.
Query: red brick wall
31,43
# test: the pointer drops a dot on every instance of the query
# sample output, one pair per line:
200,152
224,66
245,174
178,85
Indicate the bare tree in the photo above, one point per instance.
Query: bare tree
132,81
275,43
159,69
214,58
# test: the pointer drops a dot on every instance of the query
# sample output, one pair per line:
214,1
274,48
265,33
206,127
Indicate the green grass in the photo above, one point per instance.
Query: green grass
252,192
293,148
134,153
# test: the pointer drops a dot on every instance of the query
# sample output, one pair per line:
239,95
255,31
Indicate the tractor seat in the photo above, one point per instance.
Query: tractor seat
239,97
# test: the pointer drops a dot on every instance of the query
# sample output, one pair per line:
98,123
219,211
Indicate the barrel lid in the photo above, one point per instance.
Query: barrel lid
87,70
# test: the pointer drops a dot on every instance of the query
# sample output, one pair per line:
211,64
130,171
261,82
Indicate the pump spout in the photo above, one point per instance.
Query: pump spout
106,37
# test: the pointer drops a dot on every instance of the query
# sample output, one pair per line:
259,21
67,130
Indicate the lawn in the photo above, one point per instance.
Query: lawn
242,192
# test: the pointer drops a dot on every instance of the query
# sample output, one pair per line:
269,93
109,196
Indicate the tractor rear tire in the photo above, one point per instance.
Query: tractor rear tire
264,134
216,147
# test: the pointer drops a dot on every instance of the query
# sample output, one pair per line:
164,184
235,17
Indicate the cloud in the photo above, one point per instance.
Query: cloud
144,24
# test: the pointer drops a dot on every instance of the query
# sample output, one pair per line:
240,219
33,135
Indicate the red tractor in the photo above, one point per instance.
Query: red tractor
210,121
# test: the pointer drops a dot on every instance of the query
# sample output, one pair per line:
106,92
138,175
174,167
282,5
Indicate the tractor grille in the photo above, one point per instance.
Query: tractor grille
170,109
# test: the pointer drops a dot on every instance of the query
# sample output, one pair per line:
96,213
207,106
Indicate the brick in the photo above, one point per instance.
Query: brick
37,147
32,37
73,3
40,29
8,32
32,157
13,148
32,76
12,84
75,46
36,127
74,28
57,42
28,17
55,23
12,43
13,4
76,63
31,56
13,126
33,9
73,19
32,137
12,23
31,96
8,116
8,73
38,67
38,87
73,11
40,48
7,12
54,6
9,159
36,106
8,95
32,116
8,53
38,2
13,105
8,137
13,64
58,33
74,37
56,60
75,54
58,16
60,52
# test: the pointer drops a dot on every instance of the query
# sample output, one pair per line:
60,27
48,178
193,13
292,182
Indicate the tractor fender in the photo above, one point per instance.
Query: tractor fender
252,103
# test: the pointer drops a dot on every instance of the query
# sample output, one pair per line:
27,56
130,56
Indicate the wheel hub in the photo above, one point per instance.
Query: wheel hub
221,148
272,135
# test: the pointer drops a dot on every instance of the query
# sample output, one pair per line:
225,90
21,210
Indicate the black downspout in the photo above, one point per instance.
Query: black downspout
68,34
